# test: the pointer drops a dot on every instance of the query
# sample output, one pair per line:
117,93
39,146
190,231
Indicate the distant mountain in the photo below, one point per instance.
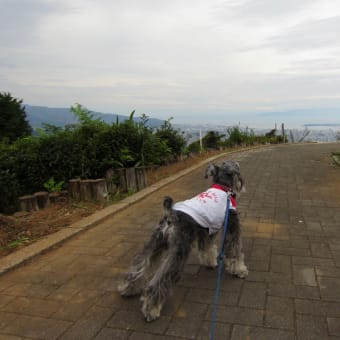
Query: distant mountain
37,115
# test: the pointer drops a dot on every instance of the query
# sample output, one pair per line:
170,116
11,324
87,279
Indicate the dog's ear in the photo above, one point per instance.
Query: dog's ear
211,170
238,183
233,168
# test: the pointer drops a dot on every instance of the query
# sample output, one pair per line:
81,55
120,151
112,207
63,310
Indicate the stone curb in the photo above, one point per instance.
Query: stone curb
23,255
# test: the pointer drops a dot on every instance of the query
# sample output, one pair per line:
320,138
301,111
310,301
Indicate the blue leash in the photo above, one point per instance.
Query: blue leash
219,275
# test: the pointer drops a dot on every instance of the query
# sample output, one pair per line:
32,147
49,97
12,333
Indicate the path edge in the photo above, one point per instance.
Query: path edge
51,241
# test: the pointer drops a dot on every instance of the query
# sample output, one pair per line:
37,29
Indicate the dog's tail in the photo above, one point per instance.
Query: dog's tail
167,205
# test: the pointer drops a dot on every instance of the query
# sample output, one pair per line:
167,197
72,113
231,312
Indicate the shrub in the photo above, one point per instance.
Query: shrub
85,150
174,141
212,140
194,147
9,192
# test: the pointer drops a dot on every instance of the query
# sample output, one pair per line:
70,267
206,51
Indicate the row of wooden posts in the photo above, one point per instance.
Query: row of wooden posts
97,190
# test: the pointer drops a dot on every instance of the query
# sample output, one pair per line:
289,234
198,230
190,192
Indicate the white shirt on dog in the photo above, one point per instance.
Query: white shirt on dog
208,208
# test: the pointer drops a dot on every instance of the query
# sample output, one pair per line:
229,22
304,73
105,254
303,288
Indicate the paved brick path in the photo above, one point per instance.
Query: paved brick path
291,219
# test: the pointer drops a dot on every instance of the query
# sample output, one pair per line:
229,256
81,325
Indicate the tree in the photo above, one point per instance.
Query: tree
236,136
171,137
13,123
212,140
271,133
84,115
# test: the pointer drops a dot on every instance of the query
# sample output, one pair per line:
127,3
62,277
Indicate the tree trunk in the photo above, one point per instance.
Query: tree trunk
28,203
42,199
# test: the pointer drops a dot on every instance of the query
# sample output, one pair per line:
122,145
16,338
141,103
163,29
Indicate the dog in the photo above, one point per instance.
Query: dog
185,224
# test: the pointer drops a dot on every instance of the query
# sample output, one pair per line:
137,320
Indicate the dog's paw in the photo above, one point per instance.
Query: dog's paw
242,272
123,288
127,288
211,263
150,312
236,267
211,267
229,265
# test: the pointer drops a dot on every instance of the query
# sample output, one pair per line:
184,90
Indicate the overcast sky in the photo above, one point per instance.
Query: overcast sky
192,59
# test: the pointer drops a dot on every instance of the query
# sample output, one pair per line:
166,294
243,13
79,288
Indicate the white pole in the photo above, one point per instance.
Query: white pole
201,144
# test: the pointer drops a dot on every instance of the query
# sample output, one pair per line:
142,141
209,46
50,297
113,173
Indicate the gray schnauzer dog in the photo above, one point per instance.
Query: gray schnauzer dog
195,221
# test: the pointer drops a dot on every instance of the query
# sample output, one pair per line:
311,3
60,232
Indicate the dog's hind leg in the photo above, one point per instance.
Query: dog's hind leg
160,285
234,257
140,270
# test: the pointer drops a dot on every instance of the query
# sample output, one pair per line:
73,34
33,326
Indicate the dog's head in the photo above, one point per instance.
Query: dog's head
227,174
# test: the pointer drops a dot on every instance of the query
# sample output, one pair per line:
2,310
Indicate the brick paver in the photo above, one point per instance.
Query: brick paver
291,226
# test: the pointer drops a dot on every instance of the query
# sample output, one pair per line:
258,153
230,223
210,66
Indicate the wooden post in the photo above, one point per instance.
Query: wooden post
28,203
63,196
131,180
54,197
99,190
86,190
122,179
141,176
74,189
42,199
111,186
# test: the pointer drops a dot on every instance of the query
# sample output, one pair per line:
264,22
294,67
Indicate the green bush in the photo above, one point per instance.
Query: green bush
9,192
194,147
236,136
52,186
85,150
212,140
174,141
88,149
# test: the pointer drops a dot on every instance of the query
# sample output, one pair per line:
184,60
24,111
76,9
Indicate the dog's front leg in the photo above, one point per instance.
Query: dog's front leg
234,257
207,249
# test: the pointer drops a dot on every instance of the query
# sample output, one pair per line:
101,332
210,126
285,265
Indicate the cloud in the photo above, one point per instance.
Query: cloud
175,56
313,34
20,20
260,11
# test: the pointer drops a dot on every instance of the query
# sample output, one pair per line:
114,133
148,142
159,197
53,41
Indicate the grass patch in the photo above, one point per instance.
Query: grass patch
336,157
16,243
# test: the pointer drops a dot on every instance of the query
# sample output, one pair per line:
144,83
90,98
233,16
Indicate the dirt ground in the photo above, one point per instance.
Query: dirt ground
22,228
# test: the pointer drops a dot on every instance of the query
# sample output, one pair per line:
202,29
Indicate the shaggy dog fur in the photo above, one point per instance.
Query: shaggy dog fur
155,270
